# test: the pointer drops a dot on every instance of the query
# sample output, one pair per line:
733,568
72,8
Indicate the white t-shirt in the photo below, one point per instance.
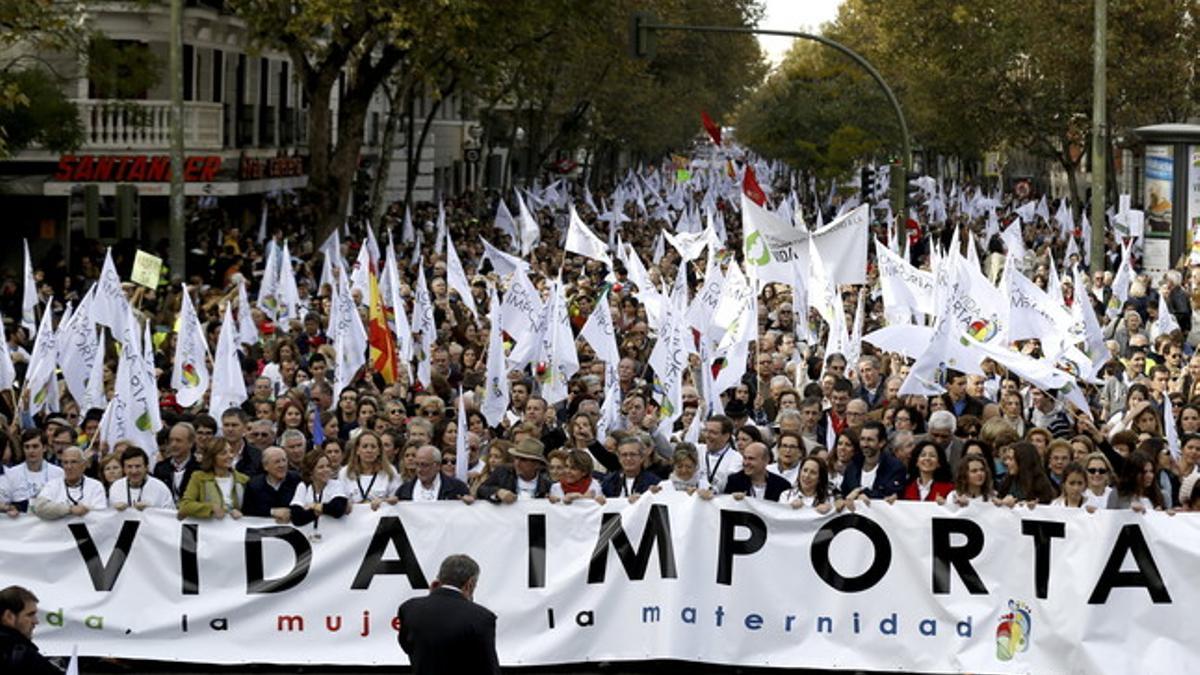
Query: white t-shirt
953,498
225,485
427,494
90,494
793,494
365,488
669,484
868,478
716,467
21,484
526,489
1098,501
305,495
789,474
154,494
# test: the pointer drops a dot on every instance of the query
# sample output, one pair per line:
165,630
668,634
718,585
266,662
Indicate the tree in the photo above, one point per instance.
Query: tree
32,109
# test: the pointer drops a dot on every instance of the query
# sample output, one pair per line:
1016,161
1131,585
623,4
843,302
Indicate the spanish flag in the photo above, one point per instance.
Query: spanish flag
379,337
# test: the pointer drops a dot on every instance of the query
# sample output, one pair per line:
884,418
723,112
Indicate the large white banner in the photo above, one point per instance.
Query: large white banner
911,586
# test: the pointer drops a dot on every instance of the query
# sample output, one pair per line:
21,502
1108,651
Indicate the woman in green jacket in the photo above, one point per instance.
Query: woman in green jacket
217,488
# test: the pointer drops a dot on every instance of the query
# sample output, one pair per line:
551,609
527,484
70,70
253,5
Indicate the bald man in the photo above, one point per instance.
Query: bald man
430,484
75,494
269,494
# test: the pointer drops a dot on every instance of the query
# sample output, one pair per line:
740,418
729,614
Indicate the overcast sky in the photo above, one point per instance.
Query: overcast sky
800,15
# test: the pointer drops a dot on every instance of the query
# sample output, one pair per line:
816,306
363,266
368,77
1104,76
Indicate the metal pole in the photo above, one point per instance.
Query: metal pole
178,258
1099,140
906,158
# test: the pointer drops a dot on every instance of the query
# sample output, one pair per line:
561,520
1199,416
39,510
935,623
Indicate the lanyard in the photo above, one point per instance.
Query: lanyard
71,499
370,485
129,493
712,470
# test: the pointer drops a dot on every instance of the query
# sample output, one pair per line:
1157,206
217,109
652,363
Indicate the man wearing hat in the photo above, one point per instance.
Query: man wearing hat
525,479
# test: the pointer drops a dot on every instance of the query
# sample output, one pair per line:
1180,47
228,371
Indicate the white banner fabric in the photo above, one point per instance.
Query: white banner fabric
911,586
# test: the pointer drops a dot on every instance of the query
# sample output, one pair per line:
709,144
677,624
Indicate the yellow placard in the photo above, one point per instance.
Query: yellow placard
146,270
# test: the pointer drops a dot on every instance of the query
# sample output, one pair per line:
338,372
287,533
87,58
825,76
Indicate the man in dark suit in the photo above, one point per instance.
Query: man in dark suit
876,473
632,479
269,494
526,478
430,483
247,458
754,480
181,461
445,631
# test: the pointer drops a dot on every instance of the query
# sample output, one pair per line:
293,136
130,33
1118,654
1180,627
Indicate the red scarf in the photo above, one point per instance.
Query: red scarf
579,487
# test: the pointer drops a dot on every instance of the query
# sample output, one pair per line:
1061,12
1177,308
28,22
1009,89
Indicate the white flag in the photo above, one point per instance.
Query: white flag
504,221
95,396
503,263
558,348
288,303
530,232
109,308
77,347
584,242
8,373
599,333
1169,426
1166,323
189,377
30,297
400,322
228,383
495,398
423,325
247,331
456,276
40,380
349,338
268,289
462,457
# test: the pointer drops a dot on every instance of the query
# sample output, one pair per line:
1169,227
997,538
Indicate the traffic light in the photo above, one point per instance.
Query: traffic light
868,184
641,39
914,193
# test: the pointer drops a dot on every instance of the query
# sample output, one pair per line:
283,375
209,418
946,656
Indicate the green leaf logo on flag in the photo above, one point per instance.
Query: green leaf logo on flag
755,240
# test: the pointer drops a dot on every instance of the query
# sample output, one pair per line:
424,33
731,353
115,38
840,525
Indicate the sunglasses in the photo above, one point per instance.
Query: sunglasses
448,461
1098,472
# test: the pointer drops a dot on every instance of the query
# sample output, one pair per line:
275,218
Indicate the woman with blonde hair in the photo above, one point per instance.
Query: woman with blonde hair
368,477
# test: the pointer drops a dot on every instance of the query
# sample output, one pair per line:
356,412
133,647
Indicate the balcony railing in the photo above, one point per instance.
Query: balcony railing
146,125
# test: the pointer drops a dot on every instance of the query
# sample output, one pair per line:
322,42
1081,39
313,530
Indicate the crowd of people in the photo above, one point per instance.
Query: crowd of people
801,427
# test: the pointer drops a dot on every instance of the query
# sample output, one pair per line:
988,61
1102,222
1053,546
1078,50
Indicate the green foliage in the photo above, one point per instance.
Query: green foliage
122,70
975,75
44,115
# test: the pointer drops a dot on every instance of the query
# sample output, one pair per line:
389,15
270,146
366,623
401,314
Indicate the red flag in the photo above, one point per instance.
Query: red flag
380,338
751,188
714,131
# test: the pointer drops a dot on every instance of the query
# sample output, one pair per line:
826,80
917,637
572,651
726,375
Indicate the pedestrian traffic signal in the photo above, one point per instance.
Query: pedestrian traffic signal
868,184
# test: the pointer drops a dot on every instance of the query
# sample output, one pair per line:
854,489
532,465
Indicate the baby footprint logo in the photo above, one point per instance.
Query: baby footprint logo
1012,635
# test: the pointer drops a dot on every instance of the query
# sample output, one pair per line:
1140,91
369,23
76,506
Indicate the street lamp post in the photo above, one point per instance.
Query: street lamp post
1099,142
643,25
177,260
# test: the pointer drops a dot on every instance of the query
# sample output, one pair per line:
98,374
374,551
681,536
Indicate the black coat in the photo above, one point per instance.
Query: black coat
165,471
613,484
740,482
250,463
260,497
505,478
18,654
451,488
445,633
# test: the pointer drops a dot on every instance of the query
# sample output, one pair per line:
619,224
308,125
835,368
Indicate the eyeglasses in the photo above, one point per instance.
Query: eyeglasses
1097,471
450,460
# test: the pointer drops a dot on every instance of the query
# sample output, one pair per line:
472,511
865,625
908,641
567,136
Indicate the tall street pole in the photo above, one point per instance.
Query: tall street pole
177,259
1099,139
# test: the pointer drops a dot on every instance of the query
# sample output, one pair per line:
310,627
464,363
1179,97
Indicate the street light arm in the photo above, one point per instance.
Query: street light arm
855,56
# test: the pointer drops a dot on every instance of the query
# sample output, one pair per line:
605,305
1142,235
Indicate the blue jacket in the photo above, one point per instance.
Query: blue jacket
890,477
